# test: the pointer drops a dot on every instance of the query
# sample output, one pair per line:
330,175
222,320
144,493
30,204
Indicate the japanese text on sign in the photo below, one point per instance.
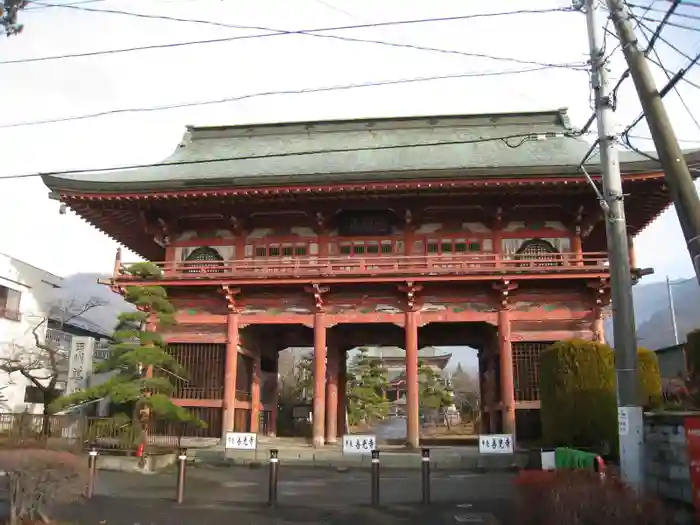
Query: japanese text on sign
241,440
359,444
496,444
623,421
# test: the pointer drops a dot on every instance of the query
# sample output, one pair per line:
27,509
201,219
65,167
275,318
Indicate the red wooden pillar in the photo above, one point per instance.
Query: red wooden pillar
319,414
230,372
412,401
342,391
577,247
272,430
332,395
507,379
598,325
633,255
255,395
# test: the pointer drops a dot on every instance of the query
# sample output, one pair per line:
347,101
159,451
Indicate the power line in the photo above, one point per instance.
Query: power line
308,32
523,138
679,15
46,6
668,73
672,24
615,89
271,93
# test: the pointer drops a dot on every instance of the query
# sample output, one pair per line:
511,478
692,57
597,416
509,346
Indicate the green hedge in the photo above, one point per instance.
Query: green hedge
577,391
579,397
649,378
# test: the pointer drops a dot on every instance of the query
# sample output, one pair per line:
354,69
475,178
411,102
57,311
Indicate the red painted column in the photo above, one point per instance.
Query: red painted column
577,247
507,379
272,431
319,414
230,372
412,401
332,395
342,391
633,254
255,395
598,326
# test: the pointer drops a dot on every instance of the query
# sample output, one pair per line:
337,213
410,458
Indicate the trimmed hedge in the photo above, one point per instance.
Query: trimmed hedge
649,378
577,392
579,397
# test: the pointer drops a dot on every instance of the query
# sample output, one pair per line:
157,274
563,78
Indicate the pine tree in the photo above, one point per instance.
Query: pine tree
435,392
367,385
305,377
135,356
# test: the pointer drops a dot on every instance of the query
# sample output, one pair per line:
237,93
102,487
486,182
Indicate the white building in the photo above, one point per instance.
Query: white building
26,293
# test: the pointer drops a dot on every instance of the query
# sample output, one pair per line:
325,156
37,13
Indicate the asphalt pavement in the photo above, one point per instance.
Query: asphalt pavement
219,495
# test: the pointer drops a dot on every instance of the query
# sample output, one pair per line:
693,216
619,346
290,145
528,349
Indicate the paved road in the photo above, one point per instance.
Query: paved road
239,495
392,428
305,496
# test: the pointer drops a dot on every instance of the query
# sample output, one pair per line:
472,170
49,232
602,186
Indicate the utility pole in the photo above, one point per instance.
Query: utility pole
673,310
630,424
677,174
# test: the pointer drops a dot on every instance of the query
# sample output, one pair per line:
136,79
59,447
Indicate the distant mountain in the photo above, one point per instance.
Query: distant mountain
653,313
82,287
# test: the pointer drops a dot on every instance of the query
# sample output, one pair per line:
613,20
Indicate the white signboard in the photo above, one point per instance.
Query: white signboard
359,443
496,444
241,440
623,421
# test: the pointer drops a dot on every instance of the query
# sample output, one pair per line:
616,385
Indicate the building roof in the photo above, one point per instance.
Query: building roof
359,150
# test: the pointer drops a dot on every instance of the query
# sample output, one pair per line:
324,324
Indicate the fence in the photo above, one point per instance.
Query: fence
76,433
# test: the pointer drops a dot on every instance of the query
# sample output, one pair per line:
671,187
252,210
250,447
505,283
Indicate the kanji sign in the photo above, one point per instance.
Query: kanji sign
241,440
359,444
496,444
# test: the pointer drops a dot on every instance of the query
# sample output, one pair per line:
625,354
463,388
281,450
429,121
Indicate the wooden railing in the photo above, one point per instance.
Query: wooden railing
458,264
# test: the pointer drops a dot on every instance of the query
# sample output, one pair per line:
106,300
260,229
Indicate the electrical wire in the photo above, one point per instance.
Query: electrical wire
620,81
525,137
655,10
316,32
40,7
238,98
669,77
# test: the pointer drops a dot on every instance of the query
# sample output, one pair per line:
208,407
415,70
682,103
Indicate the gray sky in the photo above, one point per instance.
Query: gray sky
33,230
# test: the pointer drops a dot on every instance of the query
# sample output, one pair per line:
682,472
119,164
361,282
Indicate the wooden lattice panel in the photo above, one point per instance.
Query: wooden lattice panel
526,370
203,365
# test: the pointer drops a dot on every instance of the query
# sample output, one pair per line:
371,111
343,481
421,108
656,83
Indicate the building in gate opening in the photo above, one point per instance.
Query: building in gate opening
475,230
393,359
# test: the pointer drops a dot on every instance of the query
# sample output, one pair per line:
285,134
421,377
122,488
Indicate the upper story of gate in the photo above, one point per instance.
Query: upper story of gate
445,197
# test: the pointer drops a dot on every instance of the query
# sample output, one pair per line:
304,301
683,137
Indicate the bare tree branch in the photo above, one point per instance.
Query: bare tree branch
43,362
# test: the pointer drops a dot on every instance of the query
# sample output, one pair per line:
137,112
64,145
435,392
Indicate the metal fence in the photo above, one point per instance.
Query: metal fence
76,433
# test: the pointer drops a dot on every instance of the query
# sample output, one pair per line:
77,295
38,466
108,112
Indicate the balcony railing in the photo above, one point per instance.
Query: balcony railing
310,267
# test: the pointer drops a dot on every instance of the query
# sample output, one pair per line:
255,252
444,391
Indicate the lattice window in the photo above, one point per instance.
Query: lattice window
204,365
210,258
537,249
526,370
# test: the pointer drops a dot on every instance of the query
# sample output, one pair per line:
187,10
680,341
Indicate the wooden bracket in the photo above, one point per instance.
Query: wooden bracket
503,289
317,291
410,289
230,295
601,292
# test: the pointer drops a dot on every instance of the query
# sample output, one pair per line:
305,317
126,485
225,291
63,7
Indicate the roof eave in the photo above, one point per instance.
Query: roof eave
56,183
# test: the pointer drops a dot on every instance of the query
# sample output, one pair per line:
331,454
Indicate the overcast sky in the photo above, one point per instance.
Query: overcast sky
34,231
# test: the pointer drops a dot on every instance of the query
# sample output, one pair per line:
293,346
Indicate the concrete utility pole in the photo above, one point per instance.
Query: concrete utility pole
624,328
672,309
677,174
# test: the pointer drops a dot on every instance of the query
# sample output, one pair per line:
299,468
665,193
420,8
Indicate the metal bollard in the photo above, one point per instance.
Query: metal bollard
181,465
425,474
92,471
375,477
274,465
